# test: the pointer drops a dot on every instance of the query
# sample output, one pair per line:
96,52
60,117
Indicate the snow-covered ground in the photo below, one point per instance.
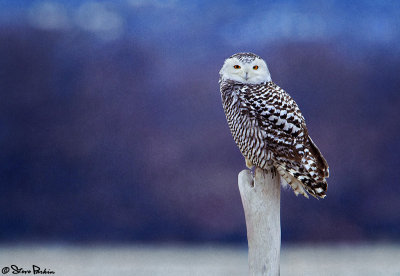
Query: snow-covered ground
200,260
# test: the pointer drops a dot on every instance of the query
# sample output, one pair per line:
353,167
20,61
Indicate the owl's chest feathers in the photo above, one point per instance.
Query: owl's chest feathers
237,111
245,128
235,114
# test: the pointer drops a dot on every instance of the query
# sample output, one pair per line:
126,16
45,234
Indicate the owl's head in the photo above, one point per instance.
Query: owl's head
245,68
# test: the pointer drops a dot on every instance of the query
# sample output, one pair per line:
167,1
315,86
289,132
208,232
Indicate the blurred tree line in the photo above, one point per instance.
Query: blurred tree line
119,141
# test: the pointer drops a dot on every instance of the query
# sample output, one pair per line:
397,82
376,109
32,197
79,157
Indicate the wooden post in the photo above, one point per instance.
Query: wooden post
261,203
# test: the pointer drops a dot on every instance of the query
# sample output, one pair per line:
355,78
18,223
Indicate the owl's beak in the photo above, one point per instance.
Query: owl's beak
247,73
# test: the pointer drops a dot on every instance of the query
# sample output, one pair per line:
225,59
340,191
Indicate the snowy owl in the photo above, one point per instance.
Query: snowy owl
268,127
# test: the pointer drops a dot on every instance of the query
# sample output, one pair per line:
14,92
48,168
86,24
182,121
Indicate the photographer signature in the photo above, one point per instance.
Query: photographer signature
14,269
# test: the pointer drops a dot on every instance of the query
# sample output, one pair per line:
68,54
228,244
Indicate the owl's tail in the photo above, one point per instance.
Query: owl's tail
302,182
293,182
308,174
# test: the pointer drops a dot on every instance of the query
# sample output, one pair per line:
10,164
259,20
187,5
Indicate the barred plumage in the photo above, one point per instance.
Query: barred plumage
268,126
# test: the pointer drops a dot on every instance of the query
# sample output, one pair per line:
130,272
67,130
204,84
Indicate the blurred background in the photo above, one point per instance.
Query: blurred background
112,129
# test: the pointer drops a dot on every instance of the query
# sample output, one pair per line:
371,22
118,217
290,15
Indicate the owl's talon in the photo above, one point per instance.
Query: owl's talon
249,164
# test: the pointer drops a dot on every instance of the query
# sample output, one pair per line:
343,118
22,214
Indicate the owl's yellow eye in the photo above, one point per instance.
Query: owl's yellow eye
255,67
236,66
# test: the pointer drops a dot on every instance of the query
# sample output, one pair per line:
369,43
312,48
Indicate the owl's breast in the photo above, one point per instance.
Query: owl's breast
245,130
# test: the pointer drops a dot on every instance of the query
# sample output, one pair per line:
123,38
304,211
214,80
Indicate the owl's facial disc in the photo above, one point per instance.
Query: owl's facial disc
247,71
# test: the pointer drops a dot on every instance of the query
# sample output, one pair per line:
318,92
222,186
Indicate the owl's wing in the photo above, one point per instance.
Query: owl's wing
321,164
278,118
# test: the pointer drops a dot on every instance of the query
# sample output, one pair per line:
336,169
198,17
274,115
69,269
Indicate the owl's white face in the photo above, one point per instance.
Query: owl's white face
247,71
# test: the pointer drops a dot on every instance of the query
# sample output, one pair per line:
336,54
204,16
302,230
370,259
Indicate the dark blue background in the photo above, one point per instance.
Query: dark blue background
112,128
